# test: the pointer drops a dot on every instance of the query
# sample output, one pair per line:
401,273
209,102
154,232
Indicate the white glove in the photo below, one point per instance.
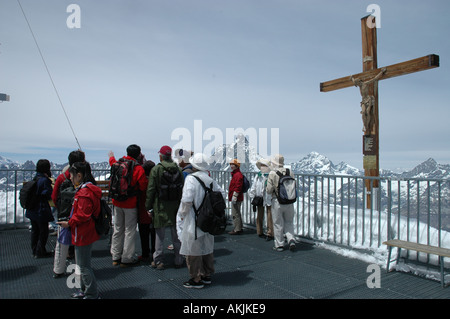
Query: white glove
235,197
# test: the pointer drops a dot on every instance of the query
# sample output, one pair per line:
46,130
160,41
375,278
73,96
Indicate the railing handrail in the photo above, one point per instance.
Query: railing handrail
392,178
325,205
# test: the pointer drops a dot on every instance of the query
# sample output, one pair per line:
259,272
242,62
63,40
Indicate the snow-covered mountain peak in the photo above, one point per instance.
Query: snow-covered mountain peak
318,164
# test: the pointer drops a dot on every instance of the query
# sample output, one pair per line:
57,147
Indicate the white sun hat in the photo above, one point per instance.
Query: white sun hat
262,161
199,161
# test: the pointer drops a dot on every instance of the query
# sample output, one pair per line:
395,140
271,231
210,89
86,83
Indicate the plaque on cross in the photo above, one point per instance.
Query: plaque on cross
370,145
367,81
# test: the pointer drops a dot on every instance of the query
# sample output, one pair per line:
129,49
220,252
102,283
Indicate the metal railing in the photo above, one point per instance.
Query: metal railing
12,215
332,209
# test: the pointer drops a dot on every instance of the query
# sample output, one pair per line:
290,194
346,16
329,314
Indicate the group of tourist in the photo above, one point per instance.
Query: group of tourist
152,209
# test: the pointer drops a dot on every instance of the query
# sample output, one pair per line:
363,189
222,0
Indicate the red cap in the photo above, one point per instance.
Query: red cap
165,150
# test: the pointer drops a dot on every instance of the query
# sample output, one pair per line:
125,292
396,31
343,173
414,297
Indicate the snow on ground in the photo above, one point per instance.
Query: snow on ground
361,236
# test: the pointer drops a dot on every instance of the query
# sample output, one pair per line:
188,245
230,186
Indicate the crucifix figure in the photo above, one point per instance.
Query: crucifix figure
368,101
367,81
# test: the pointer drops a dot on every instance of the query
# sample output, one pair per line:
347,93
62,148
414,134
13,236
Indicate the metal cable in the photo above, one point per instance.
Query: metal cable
48,72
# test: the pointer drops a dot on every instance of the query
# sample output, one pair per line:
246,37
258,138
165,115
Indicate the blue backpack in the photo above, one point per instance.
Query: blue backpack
245,184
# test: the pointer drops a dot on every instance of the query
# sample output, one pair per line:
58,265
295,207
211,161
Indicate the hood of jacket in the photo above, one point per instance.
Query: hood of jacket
91,189
169,166
86,204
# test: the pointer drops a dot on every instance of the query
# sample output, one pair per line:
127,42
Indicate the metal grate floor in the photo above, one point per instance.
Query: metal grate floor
246,268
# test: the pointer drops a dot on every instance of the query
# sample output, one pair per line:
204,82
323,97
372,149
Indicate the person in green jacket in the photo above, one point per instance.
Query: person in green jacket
165,185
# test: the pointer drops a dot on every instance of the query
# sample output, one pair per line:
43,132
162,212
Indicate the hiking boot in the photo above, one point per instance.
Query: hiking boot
56,276
192,284
116,262
292,245
78,295
98,297
206,280
159,266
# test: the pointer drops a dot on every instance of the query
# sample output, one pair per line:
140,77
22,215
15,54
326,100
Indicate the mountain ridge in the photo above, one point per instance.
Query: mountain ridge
314,163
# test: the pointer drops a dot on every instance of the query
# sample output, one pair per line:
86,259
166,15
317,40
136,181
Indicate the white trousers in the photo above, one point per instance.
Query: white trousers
61,253
283,222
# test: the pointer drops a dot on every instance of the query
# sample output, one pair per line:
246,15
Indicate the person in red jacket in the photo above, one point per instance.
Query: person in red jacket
236,196
63,248
82,226
123,244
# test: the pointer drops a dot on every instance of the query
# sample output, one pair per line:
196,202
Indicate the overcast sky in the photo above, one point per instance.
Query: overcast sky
138,71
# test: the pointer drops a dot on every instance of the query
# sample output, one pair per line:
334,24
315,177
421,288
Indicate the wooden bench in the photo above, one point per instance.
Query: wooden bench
433,250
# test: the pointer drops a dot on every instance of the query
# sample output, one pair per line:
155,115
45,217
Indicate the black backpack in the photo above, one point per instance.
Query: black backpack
120,181
103,221
210,217
28,196
171,185
65,198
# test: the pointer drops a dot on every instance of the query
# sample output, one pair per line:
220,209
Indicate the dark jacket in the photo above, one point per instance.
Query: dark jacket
42,213
164,212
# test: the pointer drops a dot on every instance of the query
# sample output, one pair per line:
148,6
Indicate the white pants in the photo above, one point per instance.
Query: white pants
123,244
283,222
61,253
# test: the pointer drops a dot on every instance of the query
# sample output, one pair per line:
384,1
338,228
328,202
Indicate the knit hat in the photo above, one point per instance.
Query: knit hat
134,151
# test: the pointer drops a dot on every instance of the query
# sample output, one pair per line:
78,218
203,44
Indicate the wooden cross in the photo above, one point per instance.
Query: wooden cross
368,83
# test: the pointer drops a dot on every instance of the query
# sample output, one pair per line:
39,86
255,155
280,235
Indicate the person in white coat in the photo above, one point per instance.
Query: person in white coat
260,199
197,250
282,214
